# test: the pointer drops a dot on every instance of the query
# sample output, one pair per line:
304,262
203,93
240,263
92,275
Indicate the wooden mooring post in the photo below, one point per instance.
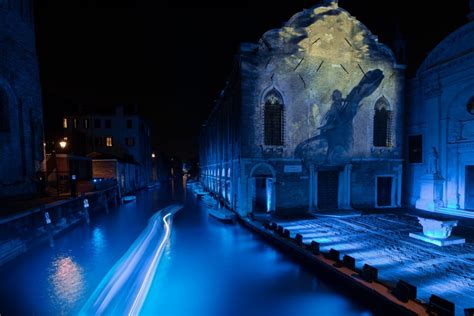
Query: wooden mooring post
48,226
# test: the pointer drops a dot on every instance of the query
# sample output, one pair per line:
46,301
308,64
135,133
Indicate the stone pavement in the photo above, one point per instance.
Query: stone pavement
382,241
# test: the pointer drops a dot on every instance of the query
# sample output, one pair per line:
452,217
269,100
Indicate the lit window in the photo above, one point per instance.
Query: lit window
273,119
86,123
109,142
74,121
64,122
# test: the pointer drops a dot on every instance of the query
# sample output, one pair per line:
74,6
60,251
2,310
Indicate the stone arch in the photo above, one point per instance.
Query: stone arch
263,169
274,92
382,103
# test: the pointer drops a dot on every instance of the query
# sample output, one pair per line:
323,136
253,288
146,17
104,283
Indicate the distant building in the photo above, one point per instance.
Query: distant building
21,114
440,136
310,119
120,136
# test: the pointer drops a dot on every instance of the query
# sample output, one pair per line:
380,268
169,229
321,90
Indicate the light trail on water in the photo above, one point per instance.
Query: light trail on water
125,287
140,298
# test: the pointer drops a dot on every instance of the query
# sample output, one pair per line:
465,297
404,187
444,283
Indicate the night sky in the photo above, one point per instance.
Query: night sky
174,59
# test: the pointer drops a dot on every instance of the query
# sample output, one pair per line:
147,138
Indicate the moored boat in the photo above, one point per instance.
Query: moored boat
222,214
128,198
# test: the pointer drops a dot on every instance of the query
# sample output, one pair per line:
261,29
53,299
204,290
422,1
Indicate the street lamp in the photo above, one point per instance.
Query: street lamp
63,143
153,155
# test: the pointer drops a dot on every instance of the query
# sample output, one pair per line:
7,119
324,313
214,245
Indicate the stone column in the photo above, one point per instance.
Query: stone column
345,185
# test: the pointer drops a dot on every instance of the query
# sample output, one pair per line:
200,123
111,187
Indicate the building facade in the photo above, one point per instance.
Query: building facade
122,137
310,119
440,134
21,114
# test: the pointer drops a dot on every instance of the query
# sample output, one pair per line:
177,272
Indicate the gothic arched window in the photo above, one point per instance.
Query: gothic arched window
382,123
4,112
273,119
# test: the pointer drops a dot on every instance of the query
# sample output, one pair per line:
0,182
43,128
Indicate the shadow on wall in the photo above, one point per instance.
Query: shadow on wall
334,142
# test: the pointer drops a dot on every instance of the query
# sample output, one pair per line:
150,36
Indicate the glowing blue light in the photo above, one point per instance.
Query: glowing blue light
132,275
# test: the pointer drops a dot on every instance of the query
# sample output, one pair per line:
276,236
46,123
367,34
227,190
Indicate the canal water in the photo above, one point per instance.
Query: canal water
207,268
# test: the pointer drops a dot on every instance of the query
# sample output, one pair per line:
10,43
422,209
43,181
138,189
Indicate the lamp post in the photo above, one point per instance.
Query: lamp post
63,143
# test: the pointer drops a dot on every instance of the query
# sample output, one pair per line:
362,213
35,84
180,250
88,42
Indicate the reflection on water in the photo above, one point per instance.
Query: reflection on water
66,280
98,240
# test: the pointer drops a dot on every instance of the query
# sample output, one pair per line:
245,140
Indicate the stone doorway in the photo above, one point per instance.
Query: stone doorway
262,188
260,195
385,192
328,189
469,185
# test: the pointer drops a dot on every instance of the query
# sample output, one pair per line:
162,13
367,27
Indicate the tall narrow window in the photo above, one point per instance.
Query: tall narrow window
65,122
86,123
129,124
74,122
109,141
382,123
273,119
4,113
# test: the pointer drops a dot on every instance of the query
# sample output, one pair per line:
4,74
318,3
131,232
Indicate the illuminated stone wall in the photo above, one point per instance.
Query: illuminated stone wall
328,71
317,52
21,117
441,111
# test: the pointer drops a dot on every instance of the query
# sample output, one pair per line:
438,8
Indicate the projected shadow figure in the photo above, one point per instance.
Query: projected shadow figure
336,126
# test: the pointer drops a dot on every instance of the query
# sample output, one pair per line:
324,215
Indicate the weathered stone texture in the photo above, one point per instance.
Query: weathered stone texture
330,72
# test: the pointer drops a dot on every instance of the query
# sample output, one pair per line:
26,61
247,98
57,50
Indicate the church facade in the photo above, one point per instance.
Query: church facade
311,119
21,117
440,136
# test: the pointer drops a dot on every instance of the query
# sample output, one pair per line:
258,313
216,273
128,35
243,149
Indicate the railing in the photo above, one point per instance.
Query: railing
24,230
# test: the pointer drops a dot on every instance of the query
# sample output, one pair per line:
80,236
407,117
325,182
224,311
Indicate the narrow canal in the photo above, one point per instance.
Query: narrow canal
207,268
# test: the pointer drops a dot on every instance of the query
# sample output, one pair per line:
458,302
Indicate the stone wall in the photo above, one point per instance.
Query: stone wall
440,111
321,59
21,138
327,73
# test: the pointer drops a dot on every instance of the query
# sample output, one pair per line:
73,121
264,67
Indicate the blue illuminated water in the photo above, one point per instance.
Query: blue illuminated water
207,268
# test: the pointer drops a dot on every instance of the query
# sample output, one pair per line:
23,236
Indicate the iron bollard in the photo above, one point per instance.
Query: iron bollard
315,247
299,239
